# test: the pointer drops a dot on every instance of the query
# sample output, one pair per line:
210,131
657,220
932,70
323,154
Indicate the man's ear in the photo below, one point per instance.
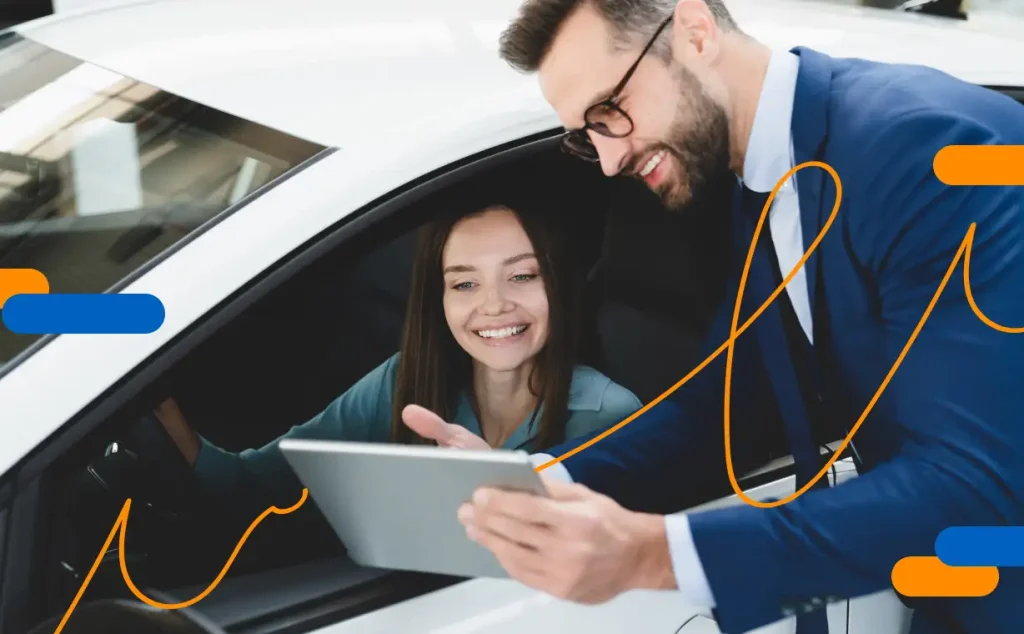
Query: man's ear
694,31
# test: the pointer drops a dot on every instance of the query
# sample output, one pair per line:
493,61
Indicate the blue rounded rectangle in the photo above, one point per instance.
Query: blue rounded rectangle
99,313
1001,546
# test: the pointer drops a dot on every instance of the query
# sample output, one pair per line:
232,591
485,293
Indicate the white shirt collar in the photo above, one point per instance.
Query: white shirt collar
770,148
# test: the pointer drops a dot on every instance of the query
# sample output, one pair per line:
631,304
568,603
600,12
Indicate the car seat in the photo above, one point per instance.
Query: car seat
654,292
654,288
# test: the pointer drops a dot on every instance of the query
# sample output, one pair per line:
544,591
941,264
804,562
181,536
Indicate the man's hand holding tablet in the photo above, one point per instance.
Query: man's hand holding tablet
575,544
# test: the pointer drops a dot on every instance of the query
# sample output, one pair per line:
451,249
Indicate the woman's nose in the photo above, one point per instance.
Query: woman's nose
494,301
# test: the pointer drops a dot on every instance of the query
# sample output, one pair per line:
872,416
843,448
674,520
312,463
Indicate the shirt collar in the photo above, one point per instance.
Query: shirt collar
770,148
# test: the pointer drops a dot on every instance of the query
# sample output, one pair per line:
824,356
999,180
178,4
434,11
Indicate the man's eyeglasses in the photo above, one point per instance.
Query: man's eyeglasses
606,117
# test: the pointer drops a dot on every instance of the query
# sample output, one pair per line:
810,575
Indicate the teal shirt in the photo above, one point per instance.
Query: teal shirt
363,413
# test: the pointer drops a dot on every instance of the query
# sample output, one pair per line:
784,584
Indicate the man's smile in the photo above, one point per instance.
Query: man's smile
653,169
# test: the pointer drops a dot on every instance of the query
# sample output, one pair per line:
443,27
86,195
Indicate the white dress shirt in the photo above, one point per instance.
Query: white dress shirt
769,156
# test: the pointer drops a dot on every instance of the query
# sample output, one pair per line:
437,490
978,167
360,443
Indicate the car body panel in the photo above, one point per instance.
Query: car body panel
349,74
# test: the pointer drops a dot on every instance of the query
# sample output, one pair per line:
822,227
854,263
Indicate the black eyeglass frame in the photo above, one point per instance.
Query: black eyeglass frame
576,141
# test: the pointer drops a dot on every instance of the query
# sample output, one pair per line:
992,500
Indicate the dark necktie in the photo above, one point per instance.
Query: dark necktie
788,360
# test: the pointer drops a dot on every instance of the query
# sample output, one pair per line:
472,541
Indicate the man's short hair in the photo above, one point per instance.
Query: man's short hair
527,40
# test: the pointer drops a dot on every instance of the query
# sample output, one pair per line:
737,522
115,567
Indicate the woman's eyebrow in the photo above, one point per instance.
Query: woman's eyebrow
518,258
465,268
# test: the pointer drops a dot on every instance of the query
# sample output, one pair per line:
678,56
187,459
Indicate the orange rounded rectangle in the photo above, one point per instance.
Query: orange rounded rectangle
18,281
929,577
980,165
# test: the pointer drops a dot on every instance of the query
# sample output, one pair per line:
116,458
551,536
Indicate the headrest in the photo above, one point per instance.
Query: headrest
673,264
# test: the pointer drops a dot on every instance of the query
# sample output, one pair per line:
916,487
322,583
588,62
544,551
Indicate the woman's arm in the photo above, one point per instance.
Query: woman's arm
261,477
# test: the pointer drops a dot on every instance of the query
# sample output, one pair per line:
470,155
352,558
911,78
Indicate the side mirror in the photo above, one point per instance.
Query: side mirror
118,616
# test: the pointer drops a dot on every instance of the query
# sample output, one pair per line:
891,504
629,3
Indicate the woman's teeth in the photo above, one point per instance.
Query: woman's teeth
651,164
502,332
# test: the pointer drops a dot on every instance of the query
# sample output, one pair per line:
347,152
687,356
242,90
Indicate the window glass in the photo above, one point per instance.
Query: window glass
100,173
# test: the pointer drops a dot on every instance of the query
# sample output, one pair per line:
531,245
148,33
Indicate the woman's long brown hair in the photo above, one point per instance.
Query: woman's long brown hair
433,370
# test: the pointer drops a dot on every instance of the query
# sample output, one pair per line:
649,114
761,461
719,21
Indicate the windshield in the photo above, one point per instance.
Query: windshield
100,173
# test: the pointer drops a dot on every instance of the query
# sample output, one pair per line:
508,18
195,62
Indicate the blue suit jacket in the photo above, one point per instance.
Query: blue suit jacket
944,445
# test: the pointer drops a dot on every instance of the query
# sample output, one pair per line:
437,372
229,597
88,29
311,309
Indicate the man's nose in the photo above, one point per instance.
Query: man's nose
611,151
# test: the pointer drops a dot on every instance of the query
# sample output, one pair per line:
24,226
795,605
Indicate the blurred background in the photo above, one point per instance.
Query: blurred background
16,11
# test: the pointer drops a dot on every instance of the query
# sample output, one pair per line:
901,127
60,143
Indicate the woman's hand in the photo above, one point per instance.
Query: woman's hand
173,420
431,426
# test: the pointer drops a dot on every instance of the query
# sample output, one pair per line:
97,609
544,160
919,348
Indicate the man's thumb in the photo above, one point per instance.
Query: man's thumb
426,423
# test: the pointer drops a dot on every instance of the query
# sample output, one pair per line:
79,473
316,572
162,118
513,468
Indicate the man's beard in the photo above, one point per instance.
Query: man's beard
699,144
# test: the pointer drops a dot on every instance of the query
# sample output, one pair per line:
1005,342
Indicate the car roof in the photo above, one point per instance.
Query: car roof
350,73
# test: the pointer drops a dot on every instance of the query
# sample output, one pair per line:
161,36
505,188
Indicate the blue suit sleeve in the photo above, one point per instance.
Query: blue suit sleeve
673,455
956,396
261,477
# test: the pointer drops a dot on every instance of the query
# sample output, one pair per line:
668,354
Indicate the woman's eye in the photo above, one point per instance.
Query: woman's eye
524,277
461,286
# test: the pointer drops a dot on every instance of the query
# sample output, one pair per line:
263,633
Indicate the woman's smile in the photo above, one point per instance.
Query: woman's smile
503,335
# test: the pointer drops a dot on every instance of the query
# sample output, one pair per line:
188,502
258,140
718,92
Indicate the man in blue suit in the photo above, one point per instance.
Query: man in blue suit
674,93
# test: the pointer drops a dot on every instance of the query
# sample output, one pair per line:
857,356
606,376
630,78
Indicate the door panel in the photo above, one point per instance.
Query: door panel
14,593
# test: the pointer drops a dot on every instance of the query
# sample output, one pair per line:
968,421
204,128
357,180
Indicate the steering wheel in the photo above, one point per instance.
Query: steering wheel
142,464
119,616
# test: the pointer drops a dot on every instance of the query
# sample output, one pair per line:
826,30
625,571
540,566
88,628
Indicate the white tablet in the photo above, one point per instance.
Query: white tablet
395,506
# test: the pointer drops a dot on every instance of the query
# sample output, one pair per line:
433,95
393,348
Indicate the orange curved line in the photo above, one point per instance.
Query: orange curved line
731,342
963,251
964,245
970,296
121,526
736,332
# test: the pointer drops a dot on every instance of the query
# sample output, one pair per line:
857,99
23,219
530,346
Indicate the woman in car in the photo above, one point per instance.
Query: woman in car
489,343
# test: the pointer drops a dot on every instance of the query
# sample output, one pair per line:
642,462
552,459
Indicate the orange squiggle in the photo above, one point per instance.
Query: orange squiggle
735,331
121,526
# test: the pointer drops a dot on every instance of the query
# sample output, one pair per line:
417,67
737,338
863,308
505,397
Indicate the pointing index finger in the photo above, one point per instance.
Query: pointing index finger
427,424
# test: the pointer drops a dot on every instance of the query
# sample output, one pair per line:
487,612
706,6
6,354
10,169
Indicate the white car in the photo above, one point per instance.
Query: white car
260,167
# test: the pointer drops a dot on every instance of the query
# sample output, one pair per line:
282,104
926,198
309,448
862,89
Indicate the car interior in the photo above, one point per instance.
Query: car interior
651,280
